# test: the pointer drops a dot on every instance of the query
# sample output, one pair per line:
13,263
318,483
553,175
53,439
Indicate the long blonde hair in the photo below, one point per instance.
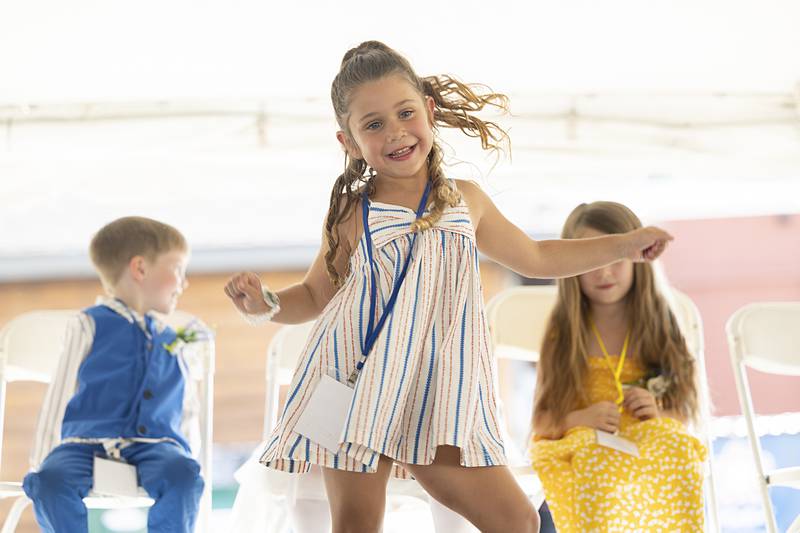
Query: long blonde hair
656,338
454,105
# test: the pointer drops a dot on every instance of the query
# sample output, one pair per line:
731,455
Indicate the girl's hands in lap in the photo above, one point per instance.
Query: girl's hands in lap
601,415
640,403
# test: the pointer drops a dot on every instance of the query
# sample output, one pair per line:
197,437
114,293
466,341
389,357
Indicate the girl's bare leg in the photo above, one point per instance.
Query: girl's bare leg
445,520
489,497
357,500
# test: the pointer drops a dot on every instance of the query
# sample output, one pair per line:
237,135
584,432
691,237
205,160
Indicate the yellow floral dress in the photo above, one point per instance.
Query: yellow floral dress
589,487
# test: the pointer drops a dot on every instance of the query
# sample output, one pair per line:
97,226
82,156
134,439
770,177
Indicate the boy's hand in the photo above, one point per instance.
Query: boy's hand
646,244
244,289
640,403
600,415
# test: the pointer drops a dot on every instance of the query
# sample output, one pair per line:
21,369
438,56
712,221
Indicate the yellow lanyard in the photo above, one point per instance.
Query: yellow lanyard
618,372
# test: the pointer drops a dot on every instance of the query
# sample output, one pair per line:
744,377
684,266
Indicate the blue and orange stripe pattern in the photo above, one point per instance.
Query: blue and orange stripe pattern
430,379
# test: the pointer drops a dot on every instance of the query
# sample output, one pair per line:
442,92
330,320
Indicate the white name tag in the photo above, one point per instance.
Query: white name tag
114,478
325,414
609,440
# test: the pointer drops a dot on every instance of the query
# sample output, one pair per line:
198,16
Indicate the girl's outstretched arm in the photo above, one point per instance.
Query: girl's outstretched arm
302,301
299,303
505,243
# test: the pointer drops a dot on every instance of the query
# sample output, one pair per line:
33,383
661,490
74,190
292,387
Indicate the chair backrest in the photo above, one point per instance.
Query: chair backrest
690,322
286,347
766,337
31,343
282,353
204,374
517,319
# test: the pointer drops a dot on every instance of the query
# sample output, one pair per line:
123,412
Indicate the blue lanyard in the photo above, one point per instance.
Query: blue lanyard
373,329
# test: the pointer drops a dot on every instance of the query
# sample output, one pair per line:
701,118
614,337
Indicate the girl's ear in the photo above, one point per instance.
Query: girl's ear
348,145
430,105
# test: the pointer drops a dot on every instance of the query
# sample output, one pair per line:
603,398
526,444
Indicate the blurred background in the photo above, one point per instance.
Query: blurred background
215,117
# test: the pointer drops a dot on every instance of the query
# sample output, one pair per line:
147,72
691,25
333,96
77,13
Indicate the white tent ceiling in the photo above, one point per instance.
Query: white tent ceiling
88,50
215,117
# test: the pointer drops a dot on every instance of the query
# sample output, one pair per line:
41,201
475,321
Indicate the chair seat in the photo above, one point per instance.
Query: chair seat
10,489
101,501
785,477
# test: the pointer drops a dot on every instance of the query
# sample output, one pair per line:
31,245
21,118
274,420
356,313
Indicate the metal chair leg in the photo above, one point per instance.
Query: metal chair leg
10,525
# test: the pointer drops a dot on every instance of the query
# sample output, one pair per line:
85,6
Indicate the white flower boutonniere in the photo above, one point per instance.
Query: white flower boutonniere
192,332
658,385
654,382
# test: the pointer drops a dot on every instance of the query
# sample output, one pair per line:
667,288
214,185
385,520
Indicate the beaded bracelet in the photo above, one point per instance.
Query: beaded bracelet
273,302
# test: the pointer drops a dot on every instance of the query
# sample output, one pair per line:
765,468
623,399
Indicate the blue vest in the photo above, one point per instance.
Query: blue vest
128,385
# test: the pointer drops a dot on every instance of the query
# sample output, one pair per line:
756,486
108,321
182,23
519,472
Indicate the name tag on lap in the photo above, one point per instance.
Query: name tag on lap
325,415
615,442
114,478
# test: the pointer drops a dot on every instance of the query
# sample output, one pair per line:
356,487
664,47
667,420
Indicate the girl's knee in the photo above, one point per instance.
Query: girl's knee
525,520
356,519
446,500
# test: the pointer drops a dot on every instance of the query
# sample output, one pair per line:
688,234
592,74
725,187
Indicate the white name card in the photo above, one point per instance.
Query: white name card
615,442
325,415
114,478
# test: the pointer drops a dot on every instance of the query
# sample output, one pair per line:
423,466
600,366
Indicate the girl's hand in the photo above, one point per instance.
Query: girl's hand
640,403
600,415
646,244
244,289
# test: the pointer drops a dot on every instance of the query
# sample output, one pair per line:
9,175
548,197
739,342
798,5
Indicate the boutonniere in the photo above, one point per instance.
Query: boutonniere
654,382
192,332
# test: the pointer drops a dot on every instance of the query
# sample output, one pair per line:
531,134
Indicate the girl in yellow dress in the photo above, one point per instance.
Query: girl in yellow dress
615,365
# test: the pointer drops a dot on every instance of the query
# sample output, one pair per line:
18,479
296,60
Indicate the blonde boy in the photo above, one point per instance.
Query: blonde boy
119,390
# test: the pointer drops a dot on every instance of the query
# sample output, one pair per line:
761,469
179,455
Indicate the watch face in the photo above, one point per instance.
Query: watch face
271,298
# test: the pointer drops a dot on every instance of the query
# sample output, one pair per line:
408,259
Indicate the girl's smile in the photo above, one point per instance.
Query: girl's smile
402,154
390,123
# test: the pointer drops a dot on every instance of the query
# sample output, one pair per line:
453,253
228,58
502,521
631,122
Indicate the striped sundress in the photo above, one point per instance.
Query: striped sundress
430,377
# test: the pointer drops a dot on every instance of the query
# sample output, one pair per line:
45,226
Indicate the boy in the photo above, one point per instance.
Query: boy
119,391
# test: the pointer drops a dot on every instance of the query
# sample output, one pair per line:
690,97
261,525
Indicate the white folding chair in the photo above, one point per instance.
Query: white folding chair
691,324
261,500
765,337
30,346
517,320
282,354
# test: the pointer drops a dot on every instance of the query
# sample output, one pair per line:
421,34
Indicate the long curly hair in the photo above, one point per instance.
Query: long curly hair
656,338
454,105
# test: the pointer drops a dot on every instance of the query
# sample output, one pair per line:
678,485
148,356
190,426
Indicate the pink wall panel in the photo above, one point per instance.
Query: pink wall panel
723,264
